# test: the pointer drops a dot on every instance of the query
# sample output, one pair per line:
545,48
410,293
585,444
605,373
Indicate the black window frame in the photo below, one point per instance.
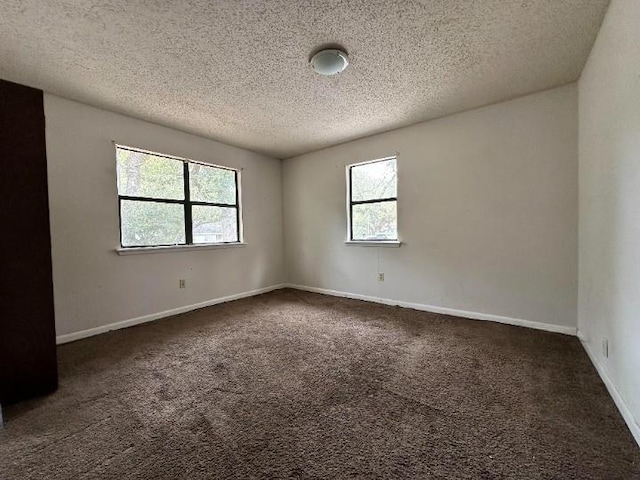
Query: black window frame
353,202
187,202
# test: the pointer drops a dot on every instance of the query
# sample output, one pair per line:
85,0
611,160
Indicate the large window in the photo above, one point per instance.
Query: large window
373,188
167,200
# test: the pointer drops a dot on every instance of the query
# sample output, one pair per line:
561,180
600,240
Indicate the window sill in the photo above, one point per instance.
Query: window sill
374,243
176,248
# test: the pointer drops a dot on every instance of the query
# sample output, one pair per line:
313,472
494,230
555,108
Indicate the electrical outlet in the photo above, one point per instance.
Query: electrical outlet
381,277
605,348
182,283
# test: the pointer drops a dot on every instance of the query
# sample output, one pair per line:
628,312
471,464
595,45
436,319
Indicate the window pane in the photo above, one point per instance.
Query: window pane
374,180
210,184
146,175
151,223
214,224
375,221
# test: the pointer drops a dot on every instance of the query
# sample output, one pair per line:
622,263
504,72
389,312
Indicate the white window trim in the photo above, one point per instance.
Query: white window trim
176,248
374,243
369,243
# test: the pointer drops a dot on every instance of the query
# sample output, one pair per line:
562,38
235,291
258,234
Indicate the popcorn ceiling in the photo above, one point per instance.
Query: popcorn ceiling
238,72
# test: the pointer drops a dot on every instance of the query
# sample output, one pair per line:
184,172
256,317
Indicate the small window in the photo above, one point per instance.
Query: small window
373,213
168,200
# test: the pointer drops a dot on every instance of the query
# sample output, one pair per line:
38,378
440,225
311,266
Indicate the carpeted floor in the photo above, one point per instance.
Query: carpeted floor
299,385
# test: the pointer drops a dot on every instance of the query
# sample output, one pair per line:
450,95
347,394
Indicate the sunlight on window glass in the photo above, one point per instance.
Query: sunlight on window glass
151,176
374,180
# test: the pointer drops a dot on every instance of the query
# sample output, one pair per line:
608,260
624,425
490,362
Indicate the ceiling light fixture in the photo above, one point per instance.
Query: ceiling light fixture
329,61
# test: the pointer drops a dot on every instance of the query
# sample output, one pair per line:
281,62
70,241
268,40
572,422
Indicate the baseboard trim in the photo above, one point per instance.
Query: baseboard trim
443,310
70,337
634,428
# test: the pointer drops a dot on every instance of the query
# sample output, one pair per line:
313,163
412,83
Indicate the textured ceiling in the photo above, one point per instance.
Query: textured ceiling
237,71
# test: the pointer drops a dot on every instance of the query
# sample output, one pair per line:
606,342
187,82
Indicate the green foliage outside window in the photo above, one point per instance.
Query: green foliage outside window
150,223
374,182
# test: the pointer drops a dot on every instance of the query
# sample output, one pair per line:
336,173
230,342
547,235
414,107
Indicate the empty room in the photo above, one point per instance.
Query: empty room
320,239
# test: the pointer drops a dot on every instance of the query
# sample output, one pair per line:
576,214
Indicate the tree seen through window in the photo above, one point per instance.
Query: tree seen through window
170,201
373,200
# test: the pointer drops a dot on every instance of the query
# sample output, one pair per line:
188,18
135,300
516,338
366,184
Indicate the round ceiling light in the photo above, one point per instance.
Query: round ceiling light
329,61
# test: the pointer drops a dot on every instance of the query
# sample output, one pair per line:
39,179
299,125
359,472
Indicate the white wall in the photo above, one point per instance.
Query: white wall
609,278
487,213
93,286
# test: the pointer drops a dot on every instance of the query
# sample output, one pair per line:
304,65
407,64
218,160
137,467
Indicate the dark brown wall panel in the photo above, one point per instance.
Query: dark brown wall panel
27,329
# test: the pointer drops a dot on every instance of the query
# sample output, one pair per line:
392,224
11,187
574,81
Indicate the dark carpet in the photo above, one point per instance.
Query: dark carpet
299,385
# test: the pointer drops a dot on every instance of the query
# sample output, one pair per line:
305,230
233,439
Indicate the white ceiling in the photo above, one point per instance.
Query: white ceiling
237,71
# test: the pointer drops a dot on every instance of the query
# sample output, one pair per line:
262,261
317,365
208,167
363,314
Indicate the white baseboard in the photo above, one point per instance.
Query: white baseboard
549,327
613,391
70,337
